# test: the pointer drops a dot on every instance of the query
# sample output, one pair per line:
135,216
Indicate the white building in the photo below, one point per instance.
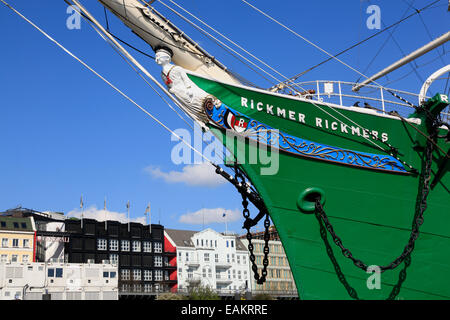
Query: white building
211,259
62,281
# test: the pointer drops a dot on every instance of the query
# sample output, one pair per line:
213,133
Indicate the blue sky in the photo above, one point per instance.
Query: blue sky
63,132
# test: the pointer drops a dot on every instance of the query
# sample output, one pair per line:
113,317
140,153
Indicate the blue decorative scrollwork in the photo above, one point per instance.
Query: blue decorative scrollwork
301,147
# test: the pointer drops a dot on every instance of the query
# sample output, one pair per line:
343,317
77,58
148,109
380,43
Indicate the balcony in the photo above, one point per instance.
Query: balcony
194,280
192,263
223,280
223,264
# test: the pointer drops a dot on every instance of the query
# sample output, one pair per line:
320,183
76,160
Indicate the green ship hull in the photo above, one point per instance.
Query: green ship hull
372,210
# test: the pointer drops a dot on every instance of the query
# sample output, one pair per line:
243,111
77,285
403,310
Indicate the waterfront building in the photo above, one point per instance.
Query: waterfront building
137,249
58,281
17,239
209,258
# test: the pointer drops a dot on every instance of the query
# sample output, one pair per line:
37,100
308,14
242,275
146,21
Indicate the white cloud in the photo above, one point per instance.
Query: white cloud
208,216
102,215
194,175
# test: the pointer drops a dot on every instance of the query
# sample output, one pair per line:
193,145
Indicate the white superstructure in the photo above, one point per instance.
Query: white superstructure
61,281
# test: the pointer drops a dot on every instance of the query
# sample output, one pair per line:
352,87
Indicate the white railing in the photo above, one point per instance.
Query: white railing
340,93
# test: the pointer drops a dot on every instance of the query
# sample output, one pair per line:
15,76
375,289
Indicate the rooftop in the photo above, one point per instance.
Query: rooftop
15,224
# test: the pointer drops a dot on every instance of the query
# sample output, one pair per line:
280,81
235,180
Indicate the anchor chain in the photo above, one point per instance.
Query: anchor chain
418,220
248,223
249,194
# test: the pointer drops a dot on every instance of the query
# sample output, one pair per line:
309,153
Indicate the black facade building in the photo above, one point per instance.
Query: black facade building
137,249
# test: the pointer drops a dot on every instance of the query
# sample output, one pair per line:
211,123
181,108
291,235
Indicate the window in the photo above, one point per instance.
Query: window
23,225
14,258
51,272
16,225
5,243
105,274
136,275
125,274
26,243
239,275
112,274
3,224
228,244
158,261
114,245
187,256
158,247
158,275
166,275
232,243
137,288
114,258
147,287
4,258
25,258
147,275
238,259
125,245
102,244
206,257
58,272
216,258
147,246
15,243
244,259
136,246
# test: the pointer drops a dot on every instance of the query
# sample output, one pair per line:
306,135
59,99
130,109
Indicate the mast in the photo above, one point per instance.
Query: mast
414,55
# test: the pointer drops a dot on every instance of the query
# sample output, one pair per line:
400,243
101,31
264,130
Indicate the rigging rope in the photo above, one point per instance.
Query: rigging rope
107,82
89,21
310,42
293,78
391,148
128,62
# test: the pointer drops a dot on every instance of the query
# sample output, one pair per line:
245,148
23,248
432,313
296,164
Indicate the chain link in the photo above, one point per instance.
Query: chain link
260,279
405,256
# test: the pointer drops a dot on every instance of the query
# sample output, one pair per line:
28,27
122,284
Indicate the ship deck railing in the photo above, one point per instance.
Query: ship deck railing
340,93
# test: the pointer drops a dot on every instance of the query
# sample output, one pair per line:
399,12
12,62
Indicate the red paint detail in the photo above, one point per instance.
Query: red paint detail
168,245
34,247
